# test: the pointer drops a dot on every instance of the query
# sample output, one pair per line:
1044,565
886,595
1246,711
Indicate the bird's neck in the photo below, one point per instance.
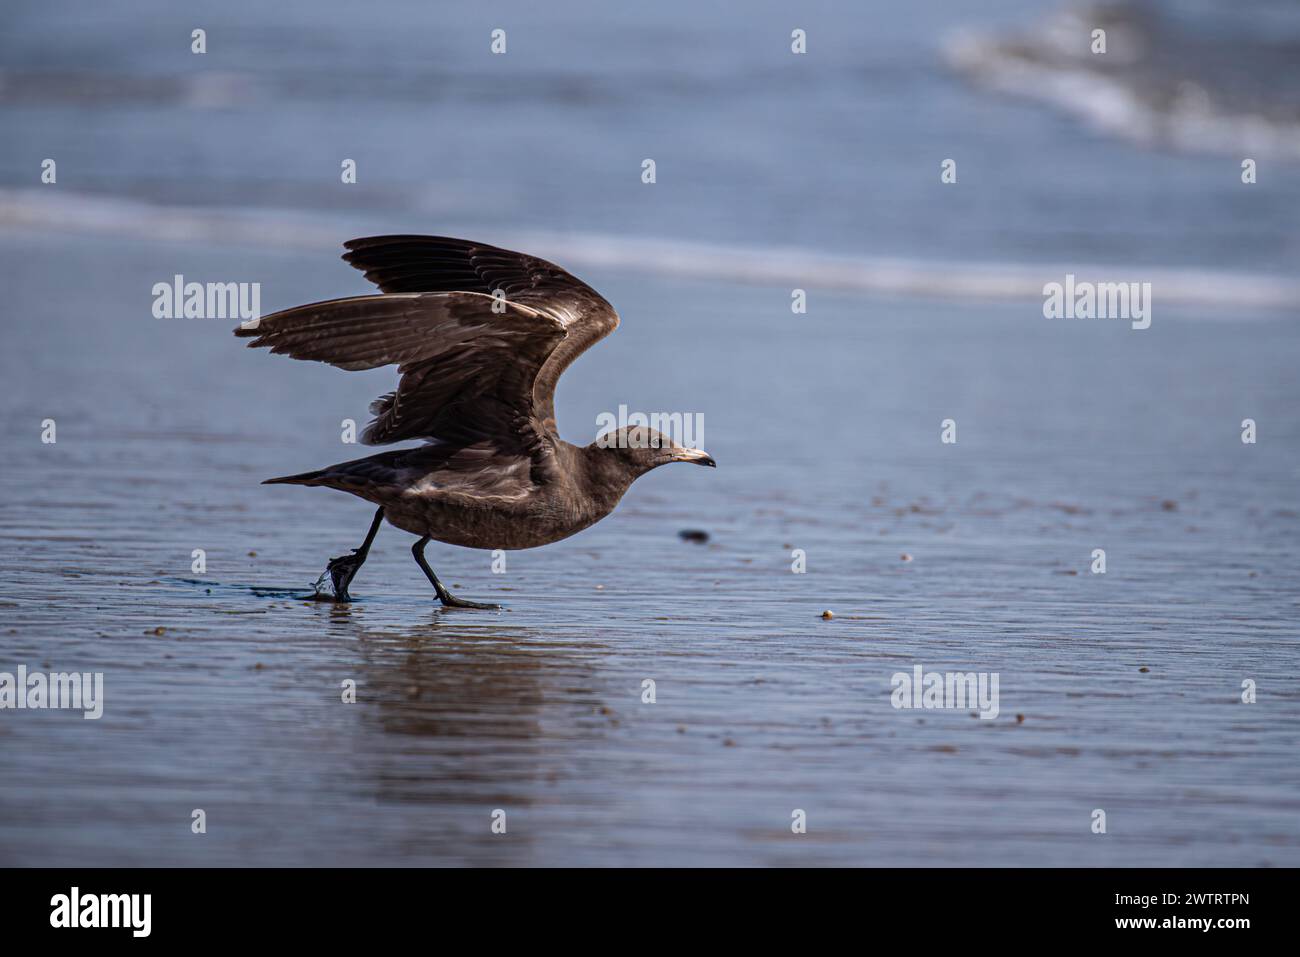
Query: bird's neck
605,473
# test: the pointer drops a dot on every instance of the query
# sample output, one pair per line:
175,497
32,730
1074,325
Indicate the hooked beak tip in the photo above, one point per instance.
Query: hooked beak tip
697,457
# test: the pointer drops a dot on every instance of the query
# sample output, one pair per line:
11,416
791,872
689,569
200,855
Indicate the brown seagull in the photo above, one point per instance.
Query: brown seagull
480,336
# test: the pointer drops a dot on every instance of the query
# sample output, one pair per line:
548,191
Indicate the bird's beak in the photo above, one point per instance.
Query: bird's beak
698,456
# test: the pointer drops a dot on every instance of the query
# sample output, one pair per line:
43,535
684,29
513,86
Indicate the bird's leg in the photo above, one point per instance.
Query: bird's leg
444,596
343,569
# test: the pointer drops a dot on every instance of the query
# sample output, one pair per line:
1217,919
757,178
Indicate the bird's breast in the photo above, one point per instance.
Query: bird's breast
538,520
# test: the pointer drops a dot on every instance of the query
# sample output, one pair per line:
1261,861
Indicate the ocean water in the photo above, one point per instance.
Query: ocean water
223,689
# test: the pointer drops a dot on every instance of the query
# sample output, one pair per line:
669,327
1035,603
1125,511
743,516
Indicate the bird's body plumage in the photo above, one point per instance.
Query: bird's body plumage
480,336
474,496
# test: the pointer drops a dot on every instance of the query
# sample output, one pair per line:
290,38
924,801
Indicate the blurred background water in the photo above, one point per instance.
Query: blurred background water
774,171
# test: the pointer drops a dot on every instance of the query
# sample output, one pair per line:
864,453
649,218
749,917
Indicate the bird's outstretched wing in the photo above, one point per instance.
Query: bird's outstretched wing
479,334
398,264
467,372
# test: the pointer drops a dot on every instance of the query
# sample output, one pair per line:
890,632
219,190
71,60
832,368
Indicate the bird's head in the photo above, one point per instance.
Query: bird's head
638,449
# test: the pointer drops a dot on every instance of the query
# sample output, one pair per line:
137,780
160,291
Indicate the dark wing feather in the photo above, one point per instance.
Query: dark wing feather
406,264
481,472
467,373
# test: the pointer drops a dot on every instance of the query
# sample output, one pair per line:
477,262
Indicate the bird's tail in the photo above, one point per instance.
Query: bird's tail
302,478
374,471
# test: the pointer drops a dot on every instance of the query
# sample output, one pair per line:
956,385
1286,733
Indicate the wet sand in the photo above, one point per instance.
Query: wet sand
222,690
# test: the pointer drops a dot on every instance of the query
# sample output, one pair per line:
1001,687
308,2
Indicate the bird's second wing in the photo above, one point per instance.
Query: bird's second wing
468,362
399,264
